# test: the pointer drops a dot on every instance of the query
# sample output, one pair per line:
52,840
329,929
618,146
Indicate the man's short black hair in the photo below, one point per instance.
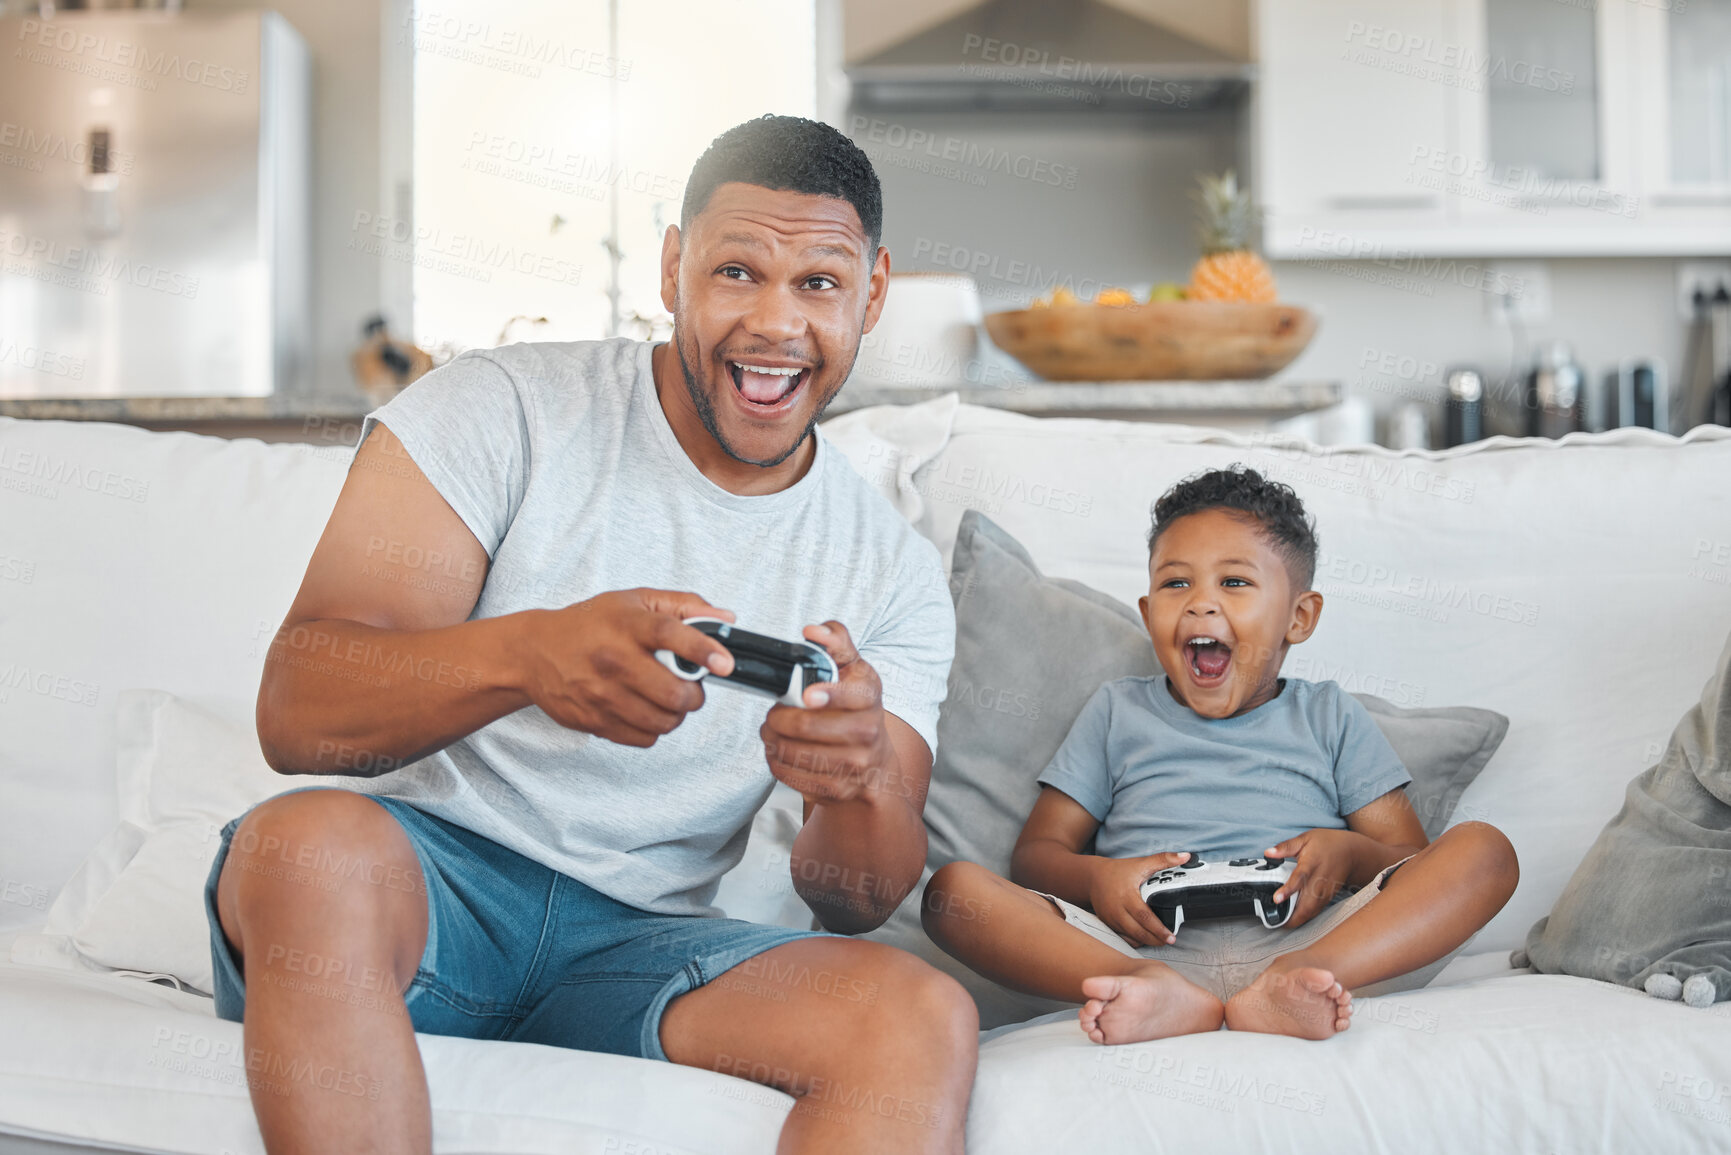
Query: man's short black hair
1275,506
793,154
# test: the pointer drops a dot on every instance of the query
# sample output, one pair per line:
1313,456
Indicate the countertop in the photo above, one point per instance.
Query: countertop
1133,398
1130,398
187,410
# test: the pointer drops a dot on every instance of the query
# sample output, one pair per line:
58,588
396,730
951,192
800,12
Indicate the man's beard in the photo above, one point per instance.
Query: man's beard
706,411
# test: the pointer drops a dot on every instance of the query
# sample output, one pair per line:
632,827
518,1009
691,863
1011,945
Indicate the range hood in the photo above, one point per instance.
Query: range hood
1026,55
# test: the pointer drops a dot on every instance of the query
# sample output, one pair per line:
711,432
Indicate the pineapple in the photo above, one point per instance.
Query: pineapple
1060,296
1228,270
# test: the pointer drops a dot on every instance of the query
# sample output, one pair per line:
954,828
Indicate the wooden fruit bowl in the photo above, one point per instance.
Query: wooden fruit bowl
1163,341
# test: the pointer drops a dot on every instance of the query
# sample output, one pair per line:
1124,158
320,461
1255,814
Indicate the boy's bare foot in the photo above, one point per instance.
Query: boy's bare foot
1154,1003
1305,1002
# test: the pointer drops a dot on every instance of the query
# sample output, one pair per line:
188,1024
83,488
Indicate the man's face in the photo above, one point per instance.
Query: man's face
1221,610
770,292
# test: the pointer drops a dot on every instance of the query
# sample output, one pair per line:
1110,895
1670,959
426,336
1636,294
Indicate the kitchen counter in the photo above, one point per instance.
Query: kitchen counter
176,409
338,419
274,418
1186,401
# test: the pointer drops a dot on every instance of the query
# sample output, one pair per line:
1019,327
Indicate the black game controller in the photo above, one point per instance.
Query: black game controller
1198,889
761,664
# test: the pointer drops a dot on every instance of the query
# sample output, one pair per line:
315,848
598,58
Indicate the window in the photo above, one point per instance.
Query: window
552,143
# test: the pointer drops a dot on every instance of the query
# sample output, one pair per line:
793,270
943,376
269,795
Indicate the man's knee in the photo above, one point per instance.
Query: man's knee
321,853
949,1010
923,1003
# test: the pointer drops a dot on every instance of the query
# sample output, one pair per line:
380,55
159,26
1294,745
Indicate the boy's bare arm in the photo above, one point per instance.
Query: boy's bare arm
1048,857
1048,854
1378,835
1391,831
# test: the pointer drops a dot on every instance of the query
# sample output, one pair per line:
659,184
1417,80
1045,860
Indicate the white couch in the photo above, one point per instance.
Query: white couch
1578,587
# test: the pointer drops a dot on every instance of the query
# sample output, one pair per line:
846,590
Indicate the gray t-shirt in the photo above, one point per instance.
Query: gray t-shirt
1160,777
559,459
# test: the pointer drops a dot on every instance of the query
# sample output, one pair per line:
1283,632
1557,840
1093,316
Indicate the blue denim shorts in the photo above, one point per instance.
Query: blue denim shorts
518,951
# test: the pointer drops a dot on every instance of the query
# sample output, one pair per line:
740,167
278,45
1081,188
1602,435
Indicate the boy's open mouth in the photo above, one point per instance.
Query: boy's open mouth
1209,658
766,385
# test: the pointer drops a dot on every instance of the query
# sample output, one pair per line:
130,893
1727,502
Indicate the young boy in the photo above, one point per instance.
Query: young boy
1225,758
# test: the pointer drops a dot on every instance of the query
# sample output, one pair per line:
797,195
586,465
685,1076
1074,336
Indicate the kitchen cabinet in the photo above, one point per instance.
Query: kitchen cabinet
1494,127
1685,113
1336,120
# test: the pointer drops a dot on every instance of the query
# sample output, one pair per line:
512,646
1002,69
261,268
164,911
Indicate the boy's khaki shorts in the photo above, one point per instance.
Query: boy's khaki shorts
1224,955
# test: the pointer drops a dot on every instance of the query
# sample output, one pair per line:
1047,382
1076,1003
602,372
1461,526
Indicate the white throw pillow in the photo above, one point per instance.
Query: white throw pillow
185,769
886,444
152,918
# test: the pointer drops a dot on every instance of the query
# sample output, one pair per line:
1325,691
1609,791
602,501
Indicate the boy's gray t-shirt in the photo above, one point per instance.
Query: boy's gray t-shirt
1159,777
560,460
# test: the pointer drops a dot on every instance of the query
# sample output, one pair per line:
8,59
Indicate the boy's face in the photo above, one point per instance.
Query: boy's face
1222,610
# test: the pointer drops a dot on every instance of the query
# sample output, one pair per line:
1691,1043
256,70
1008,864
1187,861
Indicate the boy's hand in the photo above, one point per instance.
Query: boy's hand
1115,893
1325,859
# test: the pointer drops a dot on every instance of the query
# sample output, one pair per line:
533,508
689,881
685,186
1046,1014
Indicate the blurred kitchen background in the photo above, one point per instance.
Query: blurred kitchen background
1501,216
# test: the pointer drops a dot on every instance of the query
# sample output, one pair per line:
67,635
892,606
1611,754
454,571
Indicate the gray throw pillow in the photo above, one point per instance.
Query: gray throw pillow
1650,904
1030,651
1443,749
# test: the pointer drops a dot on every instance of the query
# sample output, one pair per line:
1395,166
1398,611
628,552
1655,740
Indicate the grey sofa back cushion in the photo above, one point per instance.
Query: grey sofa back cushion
1443,748
1030,650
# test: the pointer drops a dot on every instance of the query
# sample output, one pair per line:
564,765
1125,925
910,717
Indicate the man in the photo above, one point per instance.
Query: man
552,807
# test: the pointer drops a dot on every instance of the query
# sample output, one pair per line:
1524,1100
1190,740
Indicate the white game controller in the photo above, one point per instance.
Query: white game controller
761,664
1207,889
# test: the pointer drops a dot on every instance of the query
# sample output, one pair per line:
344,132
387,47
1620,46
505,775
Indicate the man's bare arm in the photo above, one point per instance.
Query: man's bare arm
853,862
377,664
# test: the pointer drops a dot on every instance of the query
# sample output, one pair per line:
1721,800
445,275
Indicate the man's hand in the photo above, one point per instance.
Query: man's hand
1325,864
592,667
1115,893
863,845
836,748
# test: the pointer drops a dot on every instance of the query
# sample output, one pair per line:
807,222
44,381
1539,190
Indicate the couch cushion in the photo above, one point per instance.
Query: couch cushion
112,1061
1534,1063
1528,577
154,559
1442,747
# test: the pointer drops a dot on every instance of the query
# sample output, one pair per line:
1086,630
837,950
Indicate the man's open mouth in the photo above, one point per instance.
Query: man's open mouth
1209,657
766,385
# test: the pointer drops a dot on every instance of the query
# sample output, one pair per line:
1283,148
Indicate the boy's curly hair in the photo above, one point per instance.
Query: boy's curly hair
1275,506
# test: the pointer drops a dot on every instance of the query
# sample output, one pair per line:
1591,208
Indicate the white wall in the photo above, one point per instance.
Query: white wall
1390,333
1105,199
